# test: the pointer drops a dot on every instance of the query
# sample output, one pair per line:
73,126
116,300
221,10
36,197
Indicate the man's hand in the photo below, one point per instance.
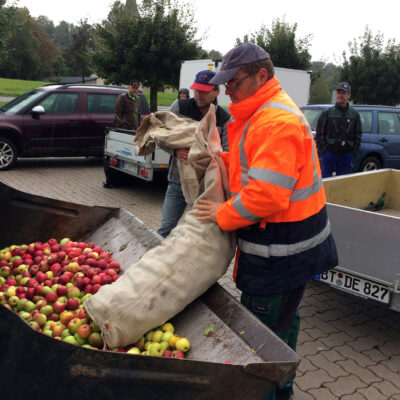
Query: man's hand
182,154
206,210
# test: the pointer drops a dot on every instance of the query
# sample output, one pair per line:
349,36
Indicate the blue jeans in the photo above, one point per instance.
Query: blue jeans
331,162
173,209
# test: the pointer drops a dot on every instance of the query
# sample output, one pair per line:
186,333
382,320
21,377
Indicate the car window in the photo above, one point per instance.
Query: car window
312,117
366,121
60,103
98,103
388,123
16,105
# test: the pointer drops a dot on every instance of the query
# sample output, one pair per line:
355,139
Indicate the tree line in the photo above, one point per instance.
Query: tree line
149,43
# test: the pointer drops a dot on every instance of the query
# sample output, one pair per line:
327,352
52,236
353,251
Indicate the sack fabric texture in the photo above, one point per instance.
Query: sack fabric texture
170,132
190,260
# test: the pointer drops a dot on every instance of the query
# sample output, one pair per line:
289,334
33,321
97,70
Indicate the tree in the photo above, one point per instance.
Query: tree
22,60
149,47
8,27
280,42
46,51
214,55
46,24
81,48
62,35
319,92
373,70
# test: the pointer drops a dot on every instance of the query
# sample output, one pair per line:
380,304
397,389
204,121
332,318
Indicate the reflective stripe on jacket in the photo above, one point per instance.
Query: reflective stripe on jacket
277,193
274,172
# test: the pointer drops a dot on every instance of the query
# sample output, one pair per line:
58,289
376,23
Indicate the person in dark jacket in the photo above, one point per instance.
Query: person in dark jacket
127,108
338,136
194,108
183,93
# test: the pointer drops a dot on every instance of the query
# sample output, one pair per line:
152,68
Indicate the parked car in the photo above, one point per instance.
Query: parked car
58,121
380,140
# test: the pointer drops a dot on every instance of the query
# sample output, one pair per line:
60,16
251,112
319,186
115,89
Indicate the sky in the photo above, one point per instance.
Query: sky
332,24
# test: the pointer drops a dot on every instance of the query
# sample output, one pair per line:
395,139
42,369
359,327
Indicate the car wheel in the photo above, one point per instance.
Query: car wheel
8,154
370,163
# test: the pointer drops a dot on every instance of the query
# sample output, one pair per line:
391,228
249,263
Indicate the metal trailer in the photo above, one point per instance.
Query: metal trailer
364,210
241,359
120,157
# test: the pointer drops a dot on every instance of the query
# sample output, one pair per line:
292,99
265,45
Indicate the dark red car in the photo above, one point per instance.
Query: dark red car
58,121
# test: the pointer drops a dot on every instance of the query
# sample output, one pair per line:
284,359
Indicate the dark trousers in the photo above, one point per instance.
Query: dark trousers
280,314
332,162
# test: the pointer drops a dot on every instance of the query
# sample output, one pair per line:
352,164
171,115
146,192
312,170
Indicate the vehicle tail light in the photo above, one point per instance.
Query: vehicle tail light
144,172
113,162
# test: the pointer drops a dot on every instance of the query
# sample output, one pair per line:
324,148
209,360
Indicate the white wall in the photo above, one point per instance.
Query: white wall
295,82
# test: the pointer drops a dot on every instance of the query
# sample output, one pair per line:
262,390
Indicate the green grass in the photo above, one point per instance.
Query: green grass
163,99
2,103
15,87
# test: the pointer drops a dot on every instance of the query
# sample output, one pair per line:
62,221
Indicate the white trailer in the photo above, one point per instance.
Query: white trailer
121,160
295,82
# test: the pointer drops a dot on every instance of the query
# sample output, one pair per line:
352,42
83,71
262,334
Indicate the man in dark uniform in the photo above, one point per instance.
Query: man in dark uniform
338,135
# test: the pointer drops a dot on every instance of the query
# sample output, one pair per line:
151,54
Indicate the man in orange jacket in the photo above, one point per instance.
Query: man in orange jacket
278,200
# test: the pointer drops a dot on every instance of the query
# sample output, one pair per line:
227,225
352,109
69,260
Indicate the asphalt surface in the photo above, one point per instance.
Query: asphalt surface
350,349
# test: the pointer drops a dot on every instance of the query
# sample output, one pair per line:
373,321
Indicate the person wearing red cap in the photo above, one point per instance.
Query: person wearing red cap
194,108
278,205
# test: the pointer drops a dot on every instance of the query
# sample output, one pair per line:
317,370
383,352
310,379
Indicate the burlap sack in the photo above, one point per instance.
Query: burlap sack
170,132
169,277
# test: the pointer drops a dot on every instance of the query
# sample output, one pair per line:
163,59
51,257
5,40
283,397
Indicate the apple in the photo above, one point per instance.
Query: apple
177,354
46,310
29,306
133,350
66,316
182,344
84,331
34,325
73,291
72,303
172,340
95,339
167,353
40,319
58,306
155,350
70,339
13,301
74,324
61,290
95,288
157,335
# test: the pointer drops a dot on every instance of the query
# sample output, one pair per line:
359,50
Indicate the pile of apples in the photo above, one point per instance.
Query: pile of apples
47,283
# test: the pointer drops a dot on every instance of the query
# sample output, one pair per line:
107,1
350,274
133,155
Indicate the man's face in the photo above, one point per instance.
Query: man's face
244,85
342,97
133,90
204,99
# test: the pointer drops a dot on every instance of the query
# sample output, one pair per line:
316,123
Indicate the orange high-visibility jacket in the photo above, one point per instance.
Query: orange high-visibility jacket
274,172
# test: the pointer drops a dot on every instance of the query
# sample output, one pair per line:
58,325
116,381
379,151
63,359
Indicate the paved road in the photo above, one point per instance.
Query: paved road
5,98
350,350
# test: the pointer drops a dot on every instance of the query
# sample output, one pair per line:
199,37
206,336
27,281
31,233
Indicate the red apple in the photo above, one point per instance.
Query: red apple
72,303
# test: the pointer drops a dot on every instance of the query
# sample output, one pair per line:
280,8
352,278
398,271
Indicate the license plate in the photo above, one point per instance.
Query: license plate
128,166
358,286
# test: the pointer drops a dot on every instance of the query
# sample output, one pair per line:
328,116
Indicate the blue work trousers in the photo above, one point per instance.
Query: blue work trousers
331,162
173,209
